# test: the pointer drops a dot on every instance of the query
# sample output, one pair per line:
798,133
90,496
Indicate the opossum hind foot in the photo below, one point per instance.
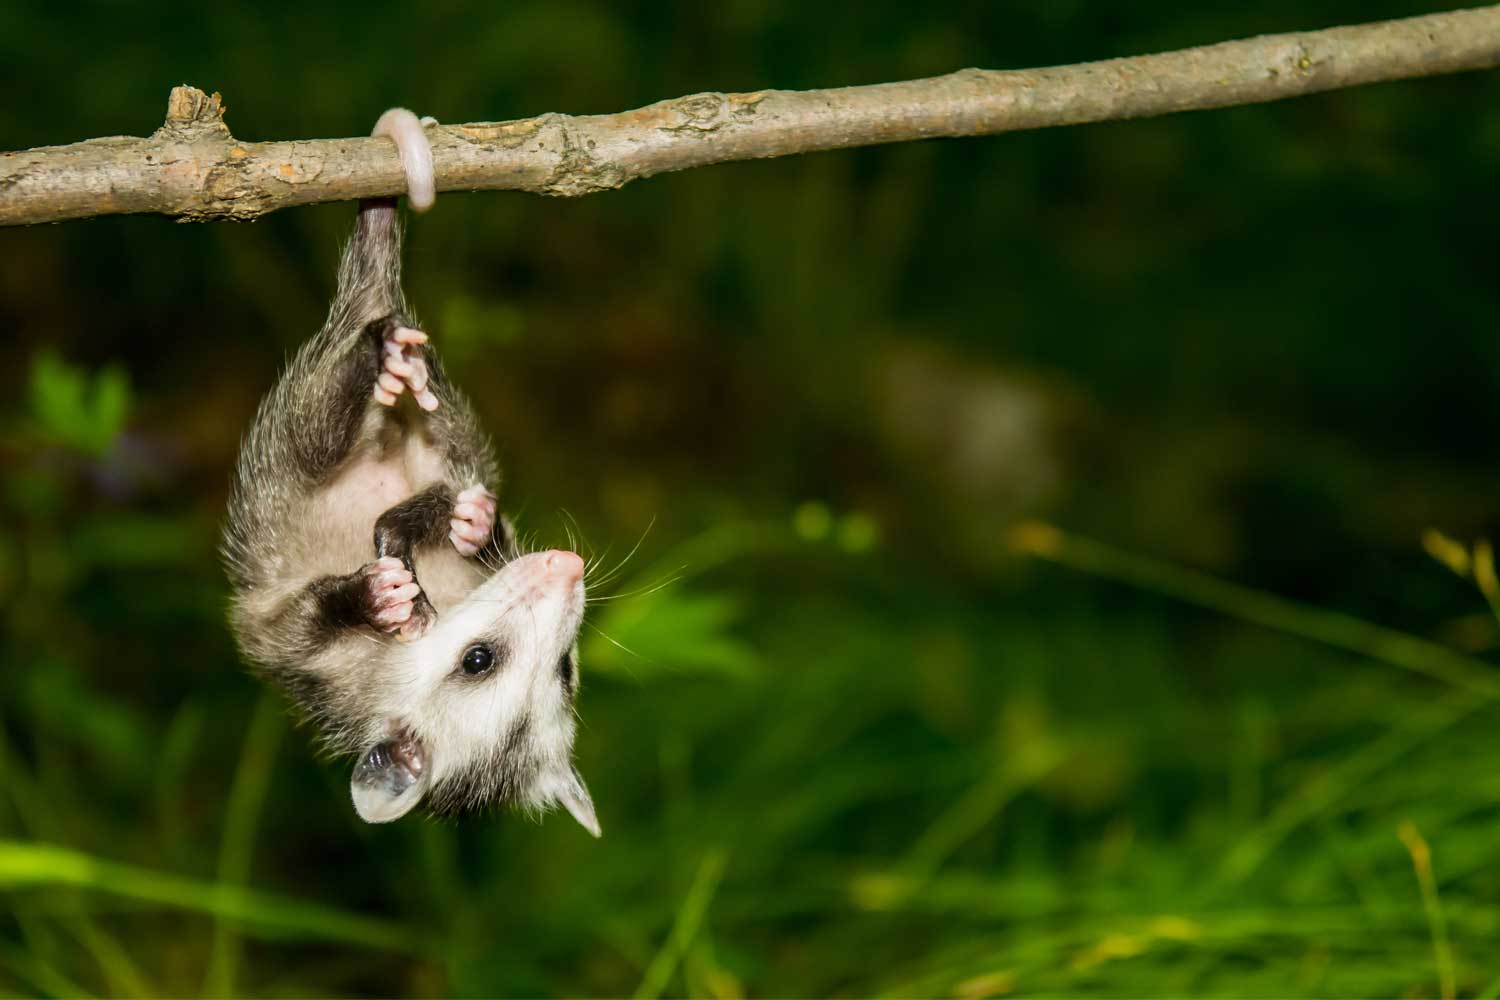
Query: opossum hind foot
403,367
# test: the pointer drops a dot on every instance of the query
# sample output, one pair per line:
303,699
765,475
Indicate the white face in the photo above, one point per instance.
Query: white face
481,707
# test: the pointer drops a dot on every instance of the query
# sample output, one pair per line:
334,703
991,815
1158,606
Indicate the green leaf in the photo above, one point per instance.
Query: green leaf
74,409
670,633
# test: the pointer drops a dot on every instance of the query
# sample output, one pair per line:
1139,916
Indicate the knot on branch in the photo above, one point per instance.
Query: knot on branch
580,170
704,113
192,114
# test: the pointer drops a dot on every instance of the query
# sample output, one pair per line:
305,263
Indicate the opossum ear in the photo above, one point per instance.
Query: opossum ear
570,792
389,779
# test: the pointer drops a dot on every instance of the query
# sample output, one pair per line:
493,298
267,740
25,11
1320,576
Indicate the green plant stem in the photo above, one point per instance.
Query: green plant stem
1329,627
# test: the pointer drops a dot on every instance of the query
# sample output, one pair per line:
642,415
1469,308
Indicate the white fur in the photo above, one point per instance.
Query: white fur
534,612
405,130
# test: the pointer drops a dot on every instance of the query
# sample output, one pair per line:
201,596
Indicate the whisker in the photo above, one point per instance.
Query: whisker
621,645
527,543
578,531
619,567
595,561
673,576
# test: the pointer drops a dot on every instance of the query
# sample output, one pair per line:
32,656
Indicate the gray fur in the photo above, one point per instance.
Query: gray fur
291,447
321,462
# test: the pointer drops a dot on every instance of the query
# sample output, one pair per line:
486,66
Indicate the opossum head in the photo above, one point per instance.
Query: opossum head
479,709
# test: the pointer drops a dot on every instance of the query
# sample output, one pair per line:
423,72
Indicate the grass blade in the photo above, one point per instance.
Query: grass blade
1442,948
685,928
247,795
1332,628
25,865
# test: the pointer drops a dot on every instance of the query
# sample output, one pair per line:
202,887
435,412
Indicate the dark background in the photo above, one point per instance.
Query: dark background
857,745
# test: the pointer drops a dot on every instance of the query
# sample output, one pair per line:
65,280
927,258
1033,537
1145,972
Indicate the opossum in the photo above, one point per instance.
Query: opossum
453,686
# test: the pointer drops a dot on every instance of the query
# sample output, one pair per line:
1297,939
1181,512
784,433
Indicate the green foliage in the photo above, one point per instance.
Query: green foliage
671,633
28,865
76,409
472,328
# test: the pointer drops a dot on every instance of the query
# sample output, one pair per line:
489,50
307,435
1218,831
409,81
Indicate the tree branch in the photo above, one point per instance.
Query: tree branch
193,168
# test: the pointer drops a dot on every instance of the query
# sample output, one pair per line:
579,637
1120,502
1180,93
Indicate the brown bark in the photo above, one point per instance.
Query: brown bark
193,168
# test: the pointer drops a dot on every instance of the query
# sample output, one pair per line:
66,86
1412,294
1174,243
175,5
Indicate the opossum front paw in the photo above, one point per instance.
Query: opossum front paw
402,368
473,520
393,593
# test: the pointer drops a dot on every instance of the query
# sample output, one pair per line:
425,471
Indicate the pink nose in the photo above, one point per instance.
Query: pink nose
567,565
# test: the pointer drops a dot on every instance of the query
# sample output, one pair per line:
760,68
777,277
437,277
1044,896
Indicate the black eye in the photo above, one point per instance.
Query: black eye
565,669
477,660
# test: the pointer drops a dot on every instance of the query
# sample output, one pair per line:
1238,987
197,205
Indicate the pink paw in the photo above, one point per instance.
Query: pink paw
393,592
402,368
473,520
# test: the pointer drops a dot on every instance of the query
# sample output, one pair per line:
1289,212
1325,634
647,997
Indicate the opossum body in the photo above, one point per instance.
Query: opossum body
364,465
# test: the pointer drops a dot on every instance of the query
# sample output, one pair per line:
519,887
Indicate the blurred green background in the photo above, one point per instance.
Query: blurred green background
856,744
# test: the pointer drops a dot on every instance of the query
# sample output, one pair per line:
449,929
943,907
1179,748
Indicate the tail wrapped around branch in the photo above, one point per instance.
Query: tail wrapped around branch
370,272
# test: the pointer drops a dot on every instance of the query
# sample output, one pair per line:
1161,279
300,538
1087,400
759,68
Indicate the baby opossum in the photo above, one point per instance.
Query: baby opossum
363,465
